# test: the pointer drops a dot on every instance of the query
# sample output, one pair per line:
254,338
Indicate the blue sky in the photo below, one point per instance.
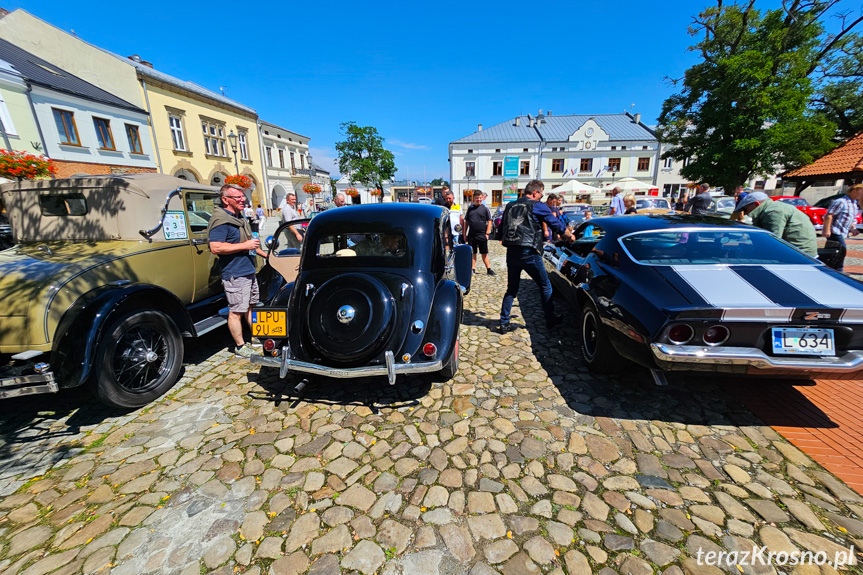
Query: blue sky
424,74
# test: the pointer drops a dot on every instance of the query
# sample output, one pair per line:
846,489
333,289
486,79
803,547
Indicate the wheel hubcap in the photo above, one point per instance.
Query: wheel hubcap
140,358
589,335
346,314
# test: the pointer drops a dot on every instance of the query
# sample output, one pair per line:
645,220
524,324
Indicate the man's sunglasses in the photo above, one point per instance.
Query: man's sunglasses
238,198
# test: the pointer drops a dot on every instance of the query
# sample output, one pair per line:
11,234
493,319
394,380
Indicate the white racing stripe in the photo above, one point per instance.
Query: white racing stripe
820,285
721,287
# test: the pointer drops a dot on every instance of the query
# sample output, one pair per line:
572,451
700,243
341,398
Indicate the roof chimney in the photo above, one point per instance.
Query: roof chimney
479,128
139,60
549,113
517,121
637,118
540,112
531,122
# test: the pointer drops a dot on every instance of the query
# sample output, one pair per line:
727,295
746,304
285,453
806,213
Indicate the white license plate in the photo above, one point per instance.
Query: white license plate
801,341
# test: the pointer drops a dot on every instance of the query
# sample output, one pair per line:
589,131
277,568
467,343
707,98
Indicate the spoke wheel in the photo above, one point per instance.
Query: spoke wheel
138,359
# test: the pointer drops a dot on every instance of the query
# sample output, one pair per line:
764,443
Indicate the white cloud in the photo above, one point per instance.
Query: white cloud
408,145
326,158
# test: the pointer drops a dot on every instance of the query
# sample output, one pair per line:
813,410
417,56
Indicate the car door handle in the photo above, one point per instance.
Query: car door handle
198,241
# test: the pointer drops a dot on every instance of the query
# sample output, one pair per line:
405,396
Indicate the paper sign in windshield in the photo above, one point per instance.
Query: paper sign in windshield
174,226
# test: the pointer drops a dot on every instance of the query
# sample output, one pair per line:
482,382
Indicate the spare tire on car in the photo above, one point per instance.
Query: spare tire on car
351,318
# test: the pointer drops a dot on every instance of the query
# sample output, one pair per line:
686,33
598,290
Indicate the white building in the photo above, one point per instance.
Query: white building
364,195
286,163
593,149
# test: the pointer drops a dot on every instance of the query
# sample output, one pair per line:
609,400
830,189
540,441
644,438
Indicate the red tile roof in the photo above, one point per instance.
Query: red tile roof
847,159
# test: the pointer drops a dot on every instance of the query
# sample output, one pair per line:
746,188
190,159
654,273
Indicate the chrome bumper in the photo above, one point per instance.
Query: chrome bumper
28,385
391,369
750,357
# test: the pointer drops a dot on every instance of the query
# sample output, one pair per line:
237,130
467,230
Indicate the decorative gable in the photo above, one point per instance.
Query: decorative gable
588,136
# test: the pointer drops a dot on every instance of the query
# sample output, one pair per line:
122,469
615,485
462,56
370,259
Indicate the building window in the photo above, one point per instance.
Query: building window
524,170
686,161
214,139
281,158
244,146
134,139
103,134
7,119
469,151
269,155
643,147
759,184
614,164
643,164
525,149
177,132
302,162
497,168
622,147
557,165
470,169
614,147
586,165
66,127
668,162
497,150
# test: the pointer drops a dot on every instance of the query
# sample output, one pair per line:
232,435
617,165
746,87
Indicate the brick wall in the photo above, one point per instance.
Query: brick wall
66,169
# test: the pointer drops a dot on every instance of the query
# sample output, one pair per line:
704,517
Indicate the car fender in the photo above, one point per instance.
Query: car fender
445,318
73,353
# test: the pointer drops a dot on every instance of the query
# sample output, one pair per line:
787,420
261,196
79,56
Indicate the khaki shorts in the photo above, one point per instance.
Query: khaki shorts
242,292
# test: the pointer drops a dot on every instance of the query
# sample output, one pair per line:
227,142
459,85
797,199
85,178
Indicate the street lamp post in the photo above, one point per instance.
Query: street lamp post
232,138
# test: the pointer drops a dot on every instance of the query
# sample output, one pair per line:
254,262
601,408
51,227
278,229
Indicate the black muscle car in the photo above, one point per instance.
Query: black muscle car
371,290
676,292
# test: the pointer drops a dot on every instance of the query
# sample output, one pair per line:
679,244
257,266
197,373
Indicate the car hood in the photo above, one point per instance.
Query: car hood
27,271
771,288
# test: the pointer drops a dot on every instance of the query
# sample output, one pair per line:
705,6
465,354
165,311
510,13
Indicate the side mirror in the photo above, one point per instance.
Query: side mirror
458,228
269,242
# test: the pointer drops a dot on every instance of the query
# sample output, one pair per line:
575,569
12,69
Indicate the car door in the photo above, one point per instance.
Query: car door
199,209
283,258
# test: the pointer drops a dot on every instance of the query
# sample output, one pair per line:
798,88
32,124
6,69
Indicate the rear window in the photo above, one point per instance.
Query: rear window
362,245
731,247
652,203
63,204
794,201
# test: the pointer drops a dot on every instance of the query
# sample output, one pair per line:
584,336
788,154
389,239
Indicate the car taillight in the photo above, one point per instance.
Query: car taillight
269,345
429,349
680,333
716,335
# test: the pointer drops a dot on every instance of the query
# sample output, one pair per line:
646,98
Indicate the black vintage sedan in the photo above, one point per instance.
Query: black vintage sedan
371,291
678,292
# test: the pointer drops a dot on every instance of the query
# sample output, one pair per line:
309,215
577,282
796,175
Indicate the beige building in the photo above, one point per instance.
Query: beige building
190,125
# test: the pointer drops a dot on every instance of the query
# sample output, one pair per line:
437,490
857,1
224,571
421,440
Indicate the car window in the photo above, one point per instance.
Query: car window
200,207
705,246
794,201
647,203
63,204
725,204
362,245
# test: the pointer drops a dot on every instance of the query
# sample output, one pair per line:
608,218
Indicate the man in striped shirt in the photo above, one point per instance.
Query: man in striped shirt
841,218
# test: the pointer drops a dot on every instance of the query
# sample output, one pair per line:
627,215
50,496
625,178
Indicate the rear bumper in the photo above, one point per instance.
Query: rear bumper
750,360
390,370
33,384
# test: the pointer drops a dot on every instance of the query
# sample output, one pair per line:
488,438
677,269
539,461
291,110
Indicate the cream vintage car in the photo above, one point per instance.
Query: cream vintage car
106,277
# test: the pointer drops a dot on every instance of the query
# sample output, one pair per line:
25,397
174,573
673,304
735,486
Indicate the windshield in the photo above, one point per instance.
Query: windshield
660,203
574,209
362,245
726,204
794,201
710,246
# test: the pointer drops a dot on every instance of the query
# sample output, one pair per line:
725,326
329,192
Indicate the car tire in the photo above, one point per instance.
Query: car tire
138,358
596,349
450,366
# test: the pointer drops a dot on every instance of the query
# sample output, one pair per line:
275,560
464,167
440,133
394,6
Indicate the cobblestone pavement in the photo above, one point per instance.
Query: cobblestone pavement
525,463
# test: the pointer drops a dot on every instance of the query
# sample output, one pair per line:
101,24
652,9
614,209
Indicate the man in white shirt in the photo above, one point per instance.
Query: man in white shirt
455,216
289,212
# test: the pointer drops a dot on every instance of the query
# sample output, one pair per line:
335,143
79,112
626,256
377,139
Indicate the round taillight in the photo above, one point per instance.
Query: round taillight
680,333
716,335
429,349
269,345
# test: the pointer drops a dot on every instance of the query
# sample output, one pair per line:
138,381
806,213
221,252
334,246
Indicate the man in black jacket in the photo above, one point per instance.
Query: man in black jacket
478,222
523,238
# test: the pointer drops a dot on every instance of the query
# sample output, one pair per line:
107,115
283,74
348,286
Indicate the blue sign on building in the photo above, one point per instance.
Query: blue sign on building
510,167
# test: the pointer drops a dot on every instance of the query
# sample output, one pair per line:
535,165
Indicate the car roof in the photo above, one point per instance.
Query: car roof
396,211
620,225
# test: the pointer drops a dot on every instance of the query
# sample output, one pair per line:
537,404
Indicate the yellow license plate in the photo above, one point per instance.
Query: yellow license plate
269,323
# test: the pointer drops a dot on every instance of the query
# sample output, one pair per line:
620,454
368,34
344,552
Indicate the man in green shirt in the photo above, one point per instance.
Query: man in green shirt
782,219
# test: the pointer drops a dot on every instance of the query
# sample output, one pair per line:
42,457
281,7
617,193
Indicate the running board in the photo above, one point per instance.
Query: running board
209,324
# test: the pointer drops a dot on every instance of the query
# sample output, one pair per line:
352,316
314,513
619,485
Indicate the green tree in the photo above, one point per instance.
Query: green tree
363,157
840,94
439,182
746,108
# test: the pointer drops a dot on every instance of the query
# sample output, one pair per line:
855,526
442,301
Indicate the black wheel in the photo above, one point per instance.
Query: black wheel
450,366
597,351
137,359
